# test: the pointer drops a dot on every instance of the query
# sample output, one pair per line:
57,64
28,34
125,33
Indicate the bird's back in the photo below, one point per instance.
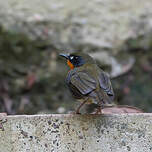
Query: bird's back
89,81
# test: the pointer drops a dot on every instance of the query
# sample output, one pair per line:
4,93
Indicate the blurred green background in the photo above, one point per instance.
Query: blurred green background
32,75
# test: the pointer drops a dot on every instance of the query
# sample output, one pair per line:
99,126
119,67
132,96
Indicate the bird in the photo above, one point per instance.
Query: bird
87,82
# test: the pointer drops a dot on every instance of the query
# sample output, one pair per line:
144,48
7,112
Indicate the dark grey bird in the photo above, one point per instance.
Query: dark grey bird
87,82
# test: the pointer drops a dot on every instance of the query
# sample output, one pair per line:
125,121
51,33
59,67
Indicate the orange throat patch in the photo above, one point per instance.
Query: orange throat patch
70,64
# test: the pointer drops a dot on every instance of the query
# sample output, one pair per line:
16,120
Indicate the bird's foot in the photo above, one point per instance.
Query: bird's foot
77,112
74,112
98,111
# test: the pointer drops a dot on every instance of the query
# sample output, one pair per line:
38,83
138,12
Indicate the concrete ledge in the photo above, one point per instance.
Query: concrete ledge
76,133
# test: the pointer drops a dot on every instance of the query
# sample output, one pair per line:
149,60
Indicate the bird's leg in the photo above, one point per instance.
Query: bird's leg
99,109
78,109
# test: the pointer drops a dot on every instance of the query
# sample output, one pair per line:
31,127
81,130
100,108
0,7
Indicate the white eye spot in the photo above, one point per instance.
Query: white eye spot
71,57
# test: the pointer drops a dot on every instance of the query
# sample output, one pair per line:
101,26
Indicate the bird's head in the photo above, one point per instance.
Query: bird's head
77,59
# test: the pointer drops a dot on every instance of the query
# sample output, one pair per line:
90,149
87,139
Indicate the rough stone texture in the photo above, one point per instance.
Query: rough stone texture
70,24
77,133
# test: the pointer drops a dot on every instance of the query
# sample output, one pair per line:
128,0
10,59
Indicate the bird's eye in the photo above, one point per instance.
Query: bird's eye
71,57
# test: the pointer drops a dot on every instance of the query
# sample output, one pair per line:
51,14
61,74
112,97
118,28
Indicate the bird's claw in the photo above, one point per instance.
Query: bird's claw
97,111
74,112
77,113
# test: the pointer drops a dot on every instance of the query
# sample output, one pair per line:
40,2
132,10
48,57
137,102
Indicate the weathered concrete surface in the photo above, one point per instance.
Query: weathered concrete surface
77,133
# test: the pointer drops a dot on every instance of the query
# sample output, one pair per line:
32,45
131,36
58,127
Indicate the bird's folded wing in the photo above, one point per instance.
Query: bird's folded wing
105,83
83,82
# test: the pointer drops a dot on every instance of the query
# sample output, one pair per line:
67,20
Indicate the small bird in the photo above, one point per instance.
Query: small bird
87,82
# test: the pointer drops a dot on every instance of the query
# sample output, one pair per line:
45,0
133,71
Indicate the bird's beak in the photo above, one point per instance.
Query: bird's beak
64,55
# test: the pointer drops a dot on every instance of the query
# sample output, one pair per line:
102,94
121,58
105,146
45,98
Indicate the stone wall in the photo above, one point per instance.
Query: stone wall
77,133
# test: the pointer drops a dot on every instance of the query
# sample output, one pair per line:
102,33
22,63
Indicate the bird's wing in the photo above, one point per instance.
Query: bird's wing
83,82
105,83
